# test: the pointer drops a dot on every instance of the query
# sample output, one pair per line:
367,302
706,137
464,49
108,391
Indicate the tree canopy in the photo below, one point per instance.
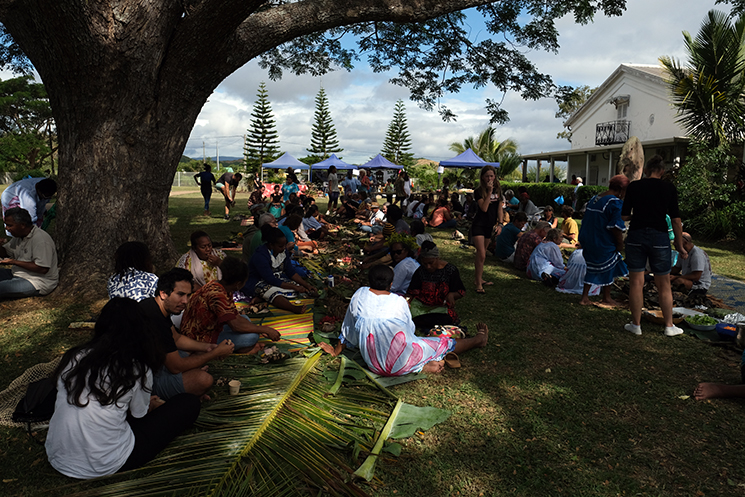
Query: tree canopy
569,99
323,141
397,140
127,80
26,124
262,141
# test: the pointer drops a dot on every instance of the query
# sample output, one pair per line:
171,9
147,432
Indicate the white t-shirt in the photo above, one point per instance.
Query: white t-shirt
39,248
95,440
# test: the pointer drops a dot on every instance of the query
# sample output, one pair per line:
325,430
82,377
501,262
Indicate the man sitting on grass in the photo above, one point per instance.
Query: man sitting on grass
32,256
694,273
183,371
507,239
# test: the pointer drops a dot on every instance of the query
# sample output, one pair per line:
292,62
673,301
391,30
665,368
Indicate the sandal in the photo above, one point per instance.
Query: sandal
452,361
480,291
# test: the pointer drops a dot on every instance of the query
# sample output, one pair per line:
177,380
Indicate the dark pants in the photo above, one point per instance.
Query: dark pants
427,321
154,431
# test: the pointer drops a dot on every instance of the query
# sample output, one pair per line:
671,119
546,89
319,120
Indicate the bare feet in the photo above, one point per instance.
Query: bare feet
709,391
482,333
433,367
586,302
205,367
609,303
205,398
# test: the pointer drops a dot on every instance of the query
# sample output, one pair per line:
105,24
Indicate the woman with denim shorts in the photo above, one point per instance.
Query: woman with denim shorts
647,202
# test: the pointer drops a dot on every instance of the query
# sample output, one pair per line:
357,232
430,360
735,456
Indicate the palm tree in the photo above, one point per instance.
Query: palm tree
491,150
709,91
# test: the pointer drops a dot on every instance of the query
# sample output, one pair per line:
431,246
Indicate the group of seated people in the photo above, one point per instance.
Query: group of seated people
137,383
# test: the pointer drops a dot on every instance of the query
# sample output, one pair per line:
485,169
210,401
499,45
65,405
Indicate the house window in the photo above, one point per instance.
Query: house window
593,157
621,110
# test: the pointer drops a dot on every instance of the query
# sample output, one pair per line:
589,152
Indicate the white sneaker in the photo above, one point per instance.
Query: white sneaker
327,213
633,328
672,331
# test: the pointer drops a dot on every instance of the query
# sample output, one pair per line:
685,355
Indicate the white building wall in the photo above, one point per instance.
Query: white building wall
651,115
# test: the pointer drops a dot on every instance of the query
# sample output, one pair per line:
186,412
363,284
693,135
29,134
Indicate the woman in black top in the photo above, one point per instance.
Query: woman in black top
488,199
646,204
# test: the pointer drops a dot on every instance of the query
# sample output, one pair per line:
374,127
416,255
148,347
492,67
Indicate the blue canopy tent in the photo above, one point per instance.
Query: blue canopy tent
467,159
283,162
333,161
380,162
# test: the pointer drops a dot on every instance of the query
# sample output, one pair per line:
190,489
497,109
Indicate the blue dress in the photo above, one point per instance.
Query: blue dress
604,262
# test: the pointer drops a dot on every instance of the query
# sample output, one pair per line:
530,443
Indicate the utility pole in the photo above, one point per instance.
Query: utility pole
204,153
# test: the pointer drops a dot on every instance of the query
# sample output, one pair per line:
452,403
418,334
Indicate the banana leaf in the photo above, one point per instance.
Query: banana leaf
283,435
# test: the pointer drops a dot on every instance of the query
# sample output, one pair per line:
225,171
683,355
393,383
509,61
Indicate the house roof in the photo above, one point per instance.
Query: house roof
652,73
563,155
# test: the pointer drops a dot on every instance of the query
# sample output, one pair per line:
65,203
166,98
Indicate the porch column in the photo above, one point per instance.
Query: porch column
610,165
551,174
525,170
538,172
587,168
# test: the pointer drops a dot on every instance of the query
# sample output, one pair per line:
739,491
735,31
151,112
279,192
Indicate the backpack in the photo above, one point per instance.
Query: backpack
37,406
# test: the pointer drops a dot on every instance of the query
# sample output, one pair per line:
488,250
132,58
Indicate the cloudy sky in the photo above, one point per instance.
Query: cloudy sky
361,102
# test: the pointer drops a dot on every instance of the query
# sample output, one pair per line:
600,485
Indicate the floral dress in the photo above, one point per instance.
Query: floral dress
431,289
380,326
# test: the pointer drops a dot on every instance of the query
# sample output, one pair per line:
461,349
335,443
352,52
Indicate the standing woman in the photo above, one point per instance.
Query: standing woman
647,202
488,199
105,417
333,180
290,186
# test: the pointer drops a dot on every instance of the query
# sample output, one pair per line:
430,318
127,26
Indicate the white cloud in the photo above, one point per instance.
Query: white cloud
361,102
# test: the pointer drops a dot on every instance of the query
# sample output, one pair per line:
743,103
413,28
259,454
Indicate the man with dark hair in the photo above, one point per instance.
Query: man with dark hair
182,372
32,254
31,194
694,273
211,315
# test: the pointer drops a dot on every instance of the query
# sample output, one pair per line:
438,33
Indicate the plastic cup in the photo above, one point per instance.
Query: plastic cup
235,387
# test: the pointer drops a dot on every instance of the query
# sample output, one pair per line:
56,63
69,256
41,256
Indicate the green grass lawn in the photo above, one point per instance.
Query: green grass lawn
562,401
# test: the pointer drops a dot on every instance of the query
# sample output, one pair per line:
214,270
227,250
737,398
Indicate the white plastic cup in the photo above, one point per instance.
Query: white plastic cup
235,387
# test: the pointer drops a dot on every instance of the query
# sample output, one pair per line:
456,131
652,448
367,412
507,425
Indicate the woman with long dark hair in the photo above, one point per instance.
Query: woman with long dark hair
488,199
105,418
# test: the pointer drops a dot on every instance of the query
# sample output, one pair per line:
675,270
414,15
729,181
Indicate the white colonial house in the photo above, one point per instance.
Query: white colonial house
633,101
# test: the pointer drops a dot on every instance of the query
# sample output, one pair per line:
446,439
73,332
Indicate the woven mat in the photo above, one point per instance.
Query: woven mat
294,327
11,396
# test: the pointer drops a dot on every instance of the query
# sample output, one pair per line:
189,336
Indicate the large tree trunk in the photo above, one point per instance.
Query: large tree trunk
126,80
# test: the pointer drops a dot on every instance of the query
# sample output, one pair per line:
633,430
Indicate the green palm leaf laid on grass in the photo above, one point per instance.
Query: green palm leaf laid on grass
282,435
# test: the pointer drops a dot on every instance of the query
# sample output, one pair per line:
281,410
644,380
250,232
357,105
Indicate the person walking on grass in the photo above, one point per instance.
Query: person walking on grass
206,180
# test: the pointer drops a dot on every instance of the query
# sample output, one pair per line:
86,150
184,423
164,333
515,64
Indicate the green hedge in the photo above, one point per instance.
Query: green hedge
543,194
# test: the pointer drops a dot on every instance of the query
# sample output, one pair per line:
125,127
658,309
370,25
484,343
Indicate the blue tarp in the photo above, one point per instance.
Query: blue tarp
380,162
285,161
333,161
467,159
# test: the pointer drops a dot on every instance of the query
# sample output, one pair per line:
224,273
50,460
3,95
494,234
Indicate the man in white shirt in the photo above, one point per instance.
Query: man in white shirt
32,255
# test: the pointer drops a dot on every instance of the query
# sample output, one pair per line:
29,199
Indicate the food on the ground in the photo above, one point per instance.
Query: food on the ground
701,320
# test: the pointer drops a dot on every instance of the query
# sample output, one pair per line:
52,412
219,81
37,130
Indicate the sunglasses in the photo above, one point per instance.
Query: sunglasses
397,252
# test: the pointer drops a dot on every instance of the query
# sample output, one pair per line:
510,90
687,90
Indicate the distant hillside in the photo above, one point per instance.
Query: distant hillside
223,159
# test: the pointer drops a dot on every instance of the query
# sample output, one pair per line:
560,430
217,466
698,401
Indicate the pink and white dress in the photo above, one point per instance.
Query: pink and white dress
380,326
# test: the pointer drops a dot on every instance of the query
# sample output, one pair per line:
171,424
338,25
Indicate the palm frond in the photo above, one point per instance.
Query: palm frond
284,436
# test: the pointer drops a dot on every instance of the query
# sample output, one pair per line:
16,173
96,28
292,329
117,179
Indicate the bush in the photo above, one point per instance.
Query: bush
34,173
710,205
543,194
